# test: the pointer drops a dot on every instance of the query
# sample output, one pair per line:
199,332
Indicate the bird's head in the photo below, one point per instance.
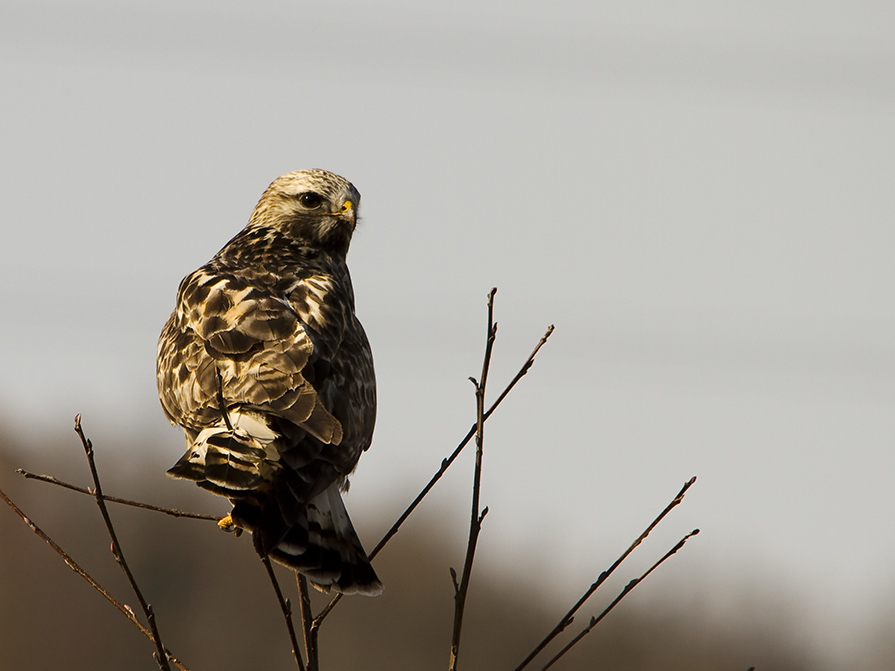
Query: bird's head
315,207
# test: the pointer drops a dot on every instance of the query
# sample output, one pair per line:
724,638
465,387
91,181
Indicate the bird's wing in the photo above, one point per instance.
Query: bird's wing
226,325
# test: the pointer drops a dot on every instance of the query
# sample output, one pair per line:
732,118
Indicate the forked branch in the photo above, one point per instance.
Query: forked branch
594,621
445,464
569,616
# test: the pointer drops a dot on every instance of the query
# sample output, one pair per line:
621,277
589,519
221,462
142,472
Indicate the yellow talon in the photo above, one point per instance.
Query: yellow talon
226,523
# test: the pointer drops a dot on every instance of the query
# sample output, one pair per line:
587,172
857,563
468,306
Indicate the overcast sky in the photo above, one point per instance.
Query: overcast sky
699,195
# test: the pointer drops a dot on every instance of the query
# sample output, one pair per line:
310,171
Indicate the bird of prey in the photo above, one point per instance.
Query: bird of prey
265,366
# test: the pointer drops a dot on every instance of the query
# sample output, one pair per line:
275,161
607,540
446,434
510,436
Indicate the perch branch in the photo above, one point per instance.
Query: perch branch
286,607
594,621
568,617
174,512
312,650
161,656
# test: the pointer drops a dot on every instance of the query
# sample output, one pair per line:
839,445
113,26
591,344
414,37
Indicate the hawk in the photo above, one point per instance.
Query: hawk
265,366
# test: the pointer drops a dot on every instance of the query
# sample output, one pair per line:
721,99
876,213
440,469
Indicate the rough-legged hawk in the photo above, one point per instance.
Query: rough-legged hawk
269,373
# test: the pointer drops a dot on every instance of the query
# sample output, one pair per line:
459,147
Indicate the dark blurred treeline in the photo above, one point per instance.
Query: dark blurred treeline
216,609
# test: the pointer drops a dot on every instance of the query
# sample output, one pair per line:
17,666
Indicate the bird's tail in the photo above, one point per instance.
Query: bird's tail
311,535
319,542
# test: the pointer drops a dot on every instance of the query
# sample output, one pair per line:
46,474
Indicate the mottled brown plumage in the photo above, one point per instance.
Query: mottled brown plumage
268,325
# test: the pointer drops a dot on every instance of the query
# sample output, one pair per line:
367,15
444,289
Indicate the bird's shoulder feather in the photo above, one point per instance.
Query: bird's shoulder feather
264,315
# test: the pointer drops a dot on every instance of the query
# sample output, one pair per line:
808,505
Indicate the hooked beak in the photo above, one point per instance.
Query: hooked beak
348,213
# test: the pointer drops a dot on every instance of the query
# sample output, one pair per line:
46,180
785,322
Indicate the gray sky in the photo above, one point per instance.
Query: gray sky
698,195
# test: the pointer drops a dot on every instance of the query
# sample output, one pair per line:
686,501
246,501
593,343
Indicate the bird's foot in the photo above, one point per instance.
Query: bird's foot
226,524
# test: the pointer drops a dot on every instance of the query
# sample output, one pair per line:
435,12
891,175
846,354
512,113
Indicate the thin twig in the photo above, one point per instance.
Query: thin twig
568,617
445,464
74,566
486,364
161,656
594,621
476,517
307,620
286,607
174,512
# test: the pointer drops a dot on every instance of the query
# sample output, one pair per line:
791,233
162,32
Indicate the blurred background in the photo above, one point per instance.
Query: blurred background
698,195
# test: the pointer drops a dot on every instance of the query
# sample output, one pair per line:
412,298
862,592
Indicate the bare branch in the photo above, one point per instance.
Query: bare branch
74,566
568,617
173,512
445,464
317,621
594,621
286,607
161,656
312,650
476,517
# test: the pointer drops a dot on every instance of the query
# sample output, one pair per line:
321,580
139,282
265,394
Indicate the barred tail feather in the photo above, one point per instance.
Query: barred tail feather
313,537
326,549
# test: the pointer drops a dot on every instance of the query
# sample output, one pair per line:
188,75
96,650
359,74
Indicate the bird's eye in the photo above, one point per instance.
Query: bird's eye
310,200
